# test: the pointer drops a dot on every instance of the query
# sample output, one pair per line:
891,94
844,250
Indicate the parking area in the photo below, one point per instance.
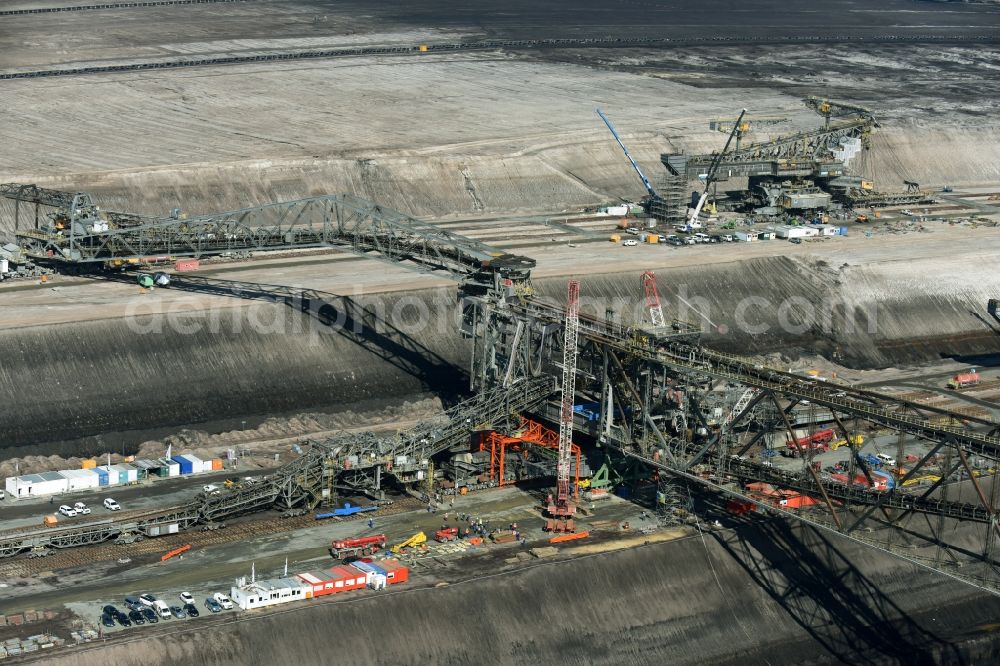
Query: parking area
145,608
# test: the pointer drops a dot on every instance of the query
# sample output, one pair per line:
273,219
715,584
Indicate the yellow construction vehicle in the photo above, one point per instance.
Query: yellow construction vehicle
920,480
856,440
414,540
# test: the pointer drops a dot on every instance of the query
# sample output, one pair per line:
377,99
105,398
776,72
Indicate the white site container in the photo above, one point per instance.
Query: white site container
81,479
36,485
197,464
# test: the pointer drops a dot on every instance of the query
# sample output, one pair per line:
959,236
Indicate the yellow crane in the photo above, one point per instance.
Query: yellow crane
414,540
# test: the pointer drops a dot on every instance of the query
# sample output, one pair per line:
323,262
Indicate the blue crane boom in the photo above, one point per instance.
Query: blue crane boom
642,176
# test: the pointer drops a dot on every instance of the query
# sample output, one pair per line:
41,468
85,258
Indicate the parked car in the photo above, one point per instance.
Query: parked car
150,615
67,511
107,620
137,617
213,605
162,609
81,508
147,600
632,230
186,598
132,603
630,242
191,610
109,610
211,489
178,612
3,495
797,241
123,619
886,459
223,600
111,505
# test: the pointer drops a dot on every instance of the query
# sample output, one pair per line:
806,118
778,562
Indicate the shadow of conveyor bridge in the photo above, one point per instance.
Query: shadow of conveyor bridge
345,316
827,595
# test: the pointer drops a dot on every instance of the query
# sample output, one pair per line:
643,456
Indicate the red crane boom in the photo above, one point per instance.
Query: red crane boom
653,299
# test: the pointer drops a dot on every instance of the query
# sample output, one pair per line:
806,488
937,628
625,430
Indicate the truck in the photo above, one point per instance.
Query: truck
446,534
964,379
881,482
357,546
804,441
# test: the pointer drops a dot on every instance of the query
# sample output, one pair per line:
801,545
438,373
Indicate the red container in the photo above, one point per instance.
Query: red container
322,583
348,578
182,265
395,572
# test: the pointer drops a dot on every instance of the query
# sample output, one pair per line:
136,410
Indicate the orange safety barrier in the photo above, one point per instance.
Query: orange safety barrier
529,432
573,536
175,551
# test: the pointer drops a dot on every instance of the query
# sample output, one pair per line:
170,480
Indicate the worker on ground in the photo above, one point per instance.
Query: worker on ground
371,523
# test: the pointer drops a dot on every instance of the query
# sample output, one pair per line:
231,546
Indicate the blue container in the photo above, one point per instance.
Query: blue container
367,566
102,476
843,231
186,465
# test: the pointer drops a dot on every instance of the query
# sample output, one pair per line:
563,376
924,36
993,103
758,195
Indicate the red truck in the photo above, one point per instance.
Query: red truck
803,442
357,546
861,480
446,534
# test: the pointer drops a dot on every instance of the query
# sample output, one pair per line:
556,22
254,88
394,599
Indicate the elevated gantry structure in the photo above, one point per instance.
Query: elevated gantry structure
654,384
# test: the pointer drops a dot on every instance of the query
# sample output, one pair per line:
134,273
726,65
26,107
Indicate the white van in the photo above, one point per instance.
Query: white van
886,459
162,609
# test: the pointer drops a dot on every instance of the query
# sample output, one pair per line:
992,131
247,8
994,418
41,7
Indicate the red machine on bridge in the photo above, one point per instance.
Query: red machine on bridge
357,546
804,441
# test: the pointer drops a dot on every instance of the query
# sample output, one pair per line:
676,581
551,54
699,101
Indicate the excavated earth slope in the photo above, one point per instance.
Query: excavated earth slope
767,594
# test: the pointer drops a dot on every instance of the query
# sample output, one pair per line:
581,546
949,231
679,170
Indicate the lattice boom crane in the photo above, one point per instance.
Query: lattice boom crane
561,507
653,299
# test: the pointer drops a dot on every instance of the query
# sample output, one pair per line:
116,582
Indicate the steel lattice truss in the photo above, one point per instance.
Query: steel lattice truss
334,220
356,461
635,375
797,153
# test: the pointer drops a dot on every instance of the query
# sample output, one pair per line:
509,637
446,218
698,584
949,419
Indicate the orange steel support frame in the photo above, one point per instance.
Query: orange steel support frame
529,432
